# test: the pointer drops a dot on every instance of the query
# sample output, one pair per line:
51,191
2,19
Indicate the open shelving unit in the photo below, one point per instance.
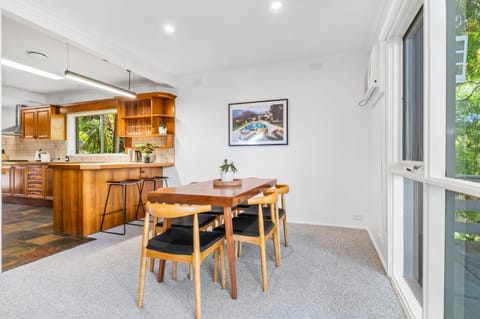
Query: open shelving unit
143,116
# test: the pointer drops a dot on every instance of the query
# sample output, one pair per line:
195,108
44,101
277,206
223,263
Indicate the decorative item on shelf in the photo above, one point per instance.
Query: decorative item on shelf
147,150
227,171
162,129
38,155
4,155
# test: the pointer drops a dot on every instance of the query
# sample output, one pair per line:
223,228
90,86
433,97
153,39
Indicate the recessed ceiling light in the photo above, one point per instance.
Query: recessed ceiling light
169,28
276,5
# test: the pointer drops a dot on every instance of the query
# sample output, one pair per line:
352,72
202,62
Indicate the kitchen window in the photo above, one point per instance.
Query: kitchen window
94,133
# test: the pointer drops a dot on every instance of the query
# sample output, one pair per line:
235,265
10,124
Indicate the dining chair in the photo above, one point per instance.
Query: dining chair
205,221
282,190
258,230
190,246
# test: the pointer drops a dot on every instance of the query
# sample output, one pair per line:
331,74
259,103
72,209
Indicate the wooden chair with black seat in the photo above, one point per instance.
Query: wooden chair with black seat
282,190
190,246
205,221
257,230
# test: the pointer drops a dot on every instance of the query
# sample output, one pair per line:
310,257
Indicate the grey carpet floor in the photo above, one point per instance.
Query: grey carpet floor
326,272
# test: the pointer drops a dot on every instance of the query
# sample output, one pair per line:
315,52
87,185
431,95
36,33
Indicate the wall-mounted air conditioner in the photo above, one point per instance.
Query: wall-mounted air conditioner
374,75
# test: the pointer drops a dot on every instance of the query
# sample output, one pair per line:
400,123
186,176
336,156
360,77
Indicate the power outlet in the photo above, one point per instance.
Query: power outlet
357,217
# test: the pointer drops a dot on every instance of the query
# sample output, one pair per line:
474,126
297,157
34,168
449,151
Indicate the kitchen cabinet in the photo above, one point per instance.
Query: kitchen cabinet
143,116
18,181
43,122
27,180
35,181
49,184
6,181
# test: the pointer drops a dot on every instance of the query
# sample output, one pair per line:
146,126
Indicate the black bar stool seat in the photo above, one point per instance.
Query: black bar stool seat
155,179
123,184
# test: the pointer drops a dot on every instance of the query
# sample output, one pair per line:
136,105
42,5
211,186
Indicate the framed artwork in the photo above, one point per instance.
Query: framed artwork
258,123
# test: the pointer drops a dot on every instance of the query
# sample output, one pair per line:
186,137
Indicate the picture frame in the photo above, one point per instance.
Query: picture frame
258,123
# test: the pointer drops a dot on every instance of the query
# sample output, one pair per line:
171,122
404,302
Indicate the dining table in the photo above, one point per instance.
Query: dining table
211,192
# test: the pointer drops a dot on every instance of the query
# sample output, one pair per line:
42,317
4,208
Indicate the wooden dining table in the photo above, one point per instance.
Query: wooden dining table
227,196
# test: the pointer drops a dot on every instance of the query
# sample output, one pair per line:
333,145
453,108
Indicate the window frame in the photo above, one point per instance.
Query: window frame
71,131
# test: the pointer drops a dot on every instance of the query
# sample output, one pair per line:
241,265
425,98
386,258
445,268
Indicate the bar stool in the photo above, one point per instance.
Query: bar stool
155,179
123,184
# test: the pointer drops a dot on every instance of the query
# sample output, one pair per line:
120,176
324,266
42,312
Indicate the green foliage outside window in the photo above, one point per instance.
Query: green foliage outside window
96,134
467,126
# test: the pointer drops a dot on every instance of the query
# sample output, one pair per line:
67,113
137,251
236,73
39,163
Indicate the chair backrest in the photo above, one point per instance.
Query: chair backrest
281,189
175,210
271,201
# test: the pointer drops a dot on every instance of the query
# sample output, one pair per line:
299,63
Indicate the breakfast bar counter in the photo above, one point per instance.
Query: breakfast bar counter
80,190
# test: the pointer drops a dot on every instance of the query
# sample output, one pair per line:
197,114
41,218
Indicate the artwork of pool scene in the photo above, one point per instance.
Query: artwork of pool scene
258,123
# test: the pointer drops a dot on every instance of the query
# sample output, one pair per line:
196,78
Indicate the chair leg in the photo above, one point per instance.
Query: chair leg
285,230
174,270
141,285
263,259
215,265
161,270
152,264
190,272
198,305
222,256
276,245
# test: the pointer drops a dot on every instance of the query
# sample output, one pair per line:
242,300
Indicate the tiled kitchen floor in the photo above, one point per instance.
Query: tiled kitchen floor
27,235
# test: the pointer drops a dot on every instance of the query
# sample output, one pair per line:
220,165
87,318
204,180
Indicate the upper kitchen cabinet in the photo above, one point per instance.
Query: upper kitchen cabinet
43,122
150,114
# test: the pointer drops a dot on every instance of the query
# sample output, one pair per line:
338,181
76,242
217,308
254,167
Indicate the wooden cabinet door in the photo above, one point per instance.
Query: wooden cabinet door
43,123
49,184
6,181
29,124
18,181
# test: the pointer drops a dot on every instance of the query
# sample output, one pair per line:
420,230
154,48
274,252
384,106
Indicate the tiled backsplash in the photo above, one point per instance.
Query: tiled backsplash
19,149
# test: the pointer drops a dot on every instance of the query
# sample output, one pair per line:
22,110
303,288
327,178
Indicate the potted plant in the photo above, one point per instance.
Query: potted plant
227,171
162,129
147,150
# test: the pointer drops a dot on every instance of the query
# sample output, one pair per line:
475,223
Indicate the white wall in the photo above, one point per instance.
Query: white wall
12,96
376,222
326,161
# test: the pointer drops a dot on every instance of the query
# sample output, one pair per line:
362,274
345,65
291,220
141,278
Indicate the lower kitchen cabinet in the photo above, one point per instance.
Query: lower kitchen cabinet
27,180
6,181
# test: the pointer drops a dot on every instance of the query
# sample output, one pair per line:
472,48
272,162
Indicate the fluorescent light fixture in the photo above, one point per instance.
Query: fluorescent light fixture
169,28
276,5
29,69
98,84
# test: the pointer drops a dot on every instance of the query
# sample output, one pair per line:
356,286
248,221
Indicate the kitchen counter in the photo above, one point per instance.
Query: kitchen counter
80,190
21,162
105,165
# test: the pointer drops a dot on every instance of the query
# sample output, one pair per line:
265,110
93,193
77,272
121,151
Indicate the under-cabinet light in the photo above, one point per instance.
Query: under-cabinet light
30,69
98,84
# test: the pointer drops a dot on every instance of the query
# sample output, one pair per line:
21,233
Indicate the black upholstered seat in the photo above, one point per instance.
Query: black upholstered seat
247,226
177,240
253,211
204,220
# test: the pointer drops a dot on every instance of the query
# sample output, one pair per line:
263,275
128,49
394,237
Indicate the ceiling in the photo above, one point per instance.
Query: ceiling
210,35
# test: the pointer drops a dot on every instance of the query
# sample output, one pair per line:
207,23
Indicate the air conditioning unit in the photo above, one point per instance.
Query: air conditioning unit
374,75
